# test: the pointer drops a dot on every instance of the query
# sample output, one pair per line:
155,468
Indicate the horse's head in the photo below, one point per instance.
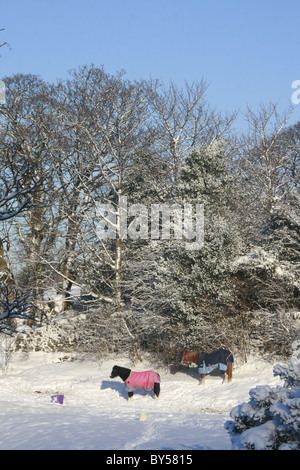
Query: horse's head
184,357
190,356
114,372
118,371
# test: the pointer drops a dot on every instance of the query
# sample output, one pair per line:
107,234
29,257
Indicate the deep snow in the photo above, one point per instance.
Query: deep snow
96,414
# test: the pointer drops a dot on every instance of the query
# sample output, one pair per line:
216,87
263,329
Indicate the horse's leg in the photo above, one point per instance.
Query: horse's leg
156,389
130,395
229,371
202,379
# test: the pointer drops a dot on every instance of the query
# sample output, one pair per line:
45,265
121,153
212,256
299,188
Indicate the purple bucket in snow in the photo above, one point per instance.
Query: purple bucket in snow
57,399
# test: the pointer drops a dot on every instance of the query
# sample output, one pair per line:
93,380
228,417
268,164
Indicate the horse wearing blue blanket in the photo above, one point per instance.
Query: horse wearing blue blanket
206,362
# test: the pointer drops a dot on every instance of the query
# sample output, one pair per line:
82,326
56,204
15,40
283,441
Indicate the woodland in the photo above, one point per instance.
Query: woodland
71,147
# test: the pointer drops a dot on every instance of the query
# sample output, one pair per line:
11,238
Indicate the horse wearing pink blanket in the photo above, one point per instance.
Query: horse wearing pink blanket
145,380
136,380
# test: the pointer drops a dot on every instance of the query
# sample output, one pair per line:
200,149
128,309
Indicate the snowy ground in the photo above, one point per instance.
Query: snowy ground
96,414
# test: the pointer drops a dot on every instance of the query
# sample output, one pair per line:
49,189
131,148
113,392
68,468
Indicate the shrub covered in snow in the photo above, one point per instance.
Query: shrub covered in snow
271,419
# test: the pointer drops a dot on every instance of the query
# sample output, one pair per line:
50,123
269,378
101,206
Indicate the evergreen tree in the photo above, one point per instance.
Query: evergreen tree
270,420
204,288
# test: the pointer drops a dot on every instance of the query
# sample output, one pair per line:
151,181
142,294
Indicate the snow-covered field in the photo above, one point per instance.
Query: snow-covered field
96,414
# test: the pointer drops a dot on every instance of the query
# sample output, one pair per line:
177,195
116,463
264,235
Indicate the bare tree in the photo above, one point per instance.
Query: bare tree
264,163
105,117
184,121
27,130
15,304
3,43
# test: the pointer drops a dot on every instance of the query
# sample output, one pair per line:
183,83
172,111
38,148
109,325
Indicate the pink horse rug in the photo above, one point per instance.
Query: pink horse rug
143,380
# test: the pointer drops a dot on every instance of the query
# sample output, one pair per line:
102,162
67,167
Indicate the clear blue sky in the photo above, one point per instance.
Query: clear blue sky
247,51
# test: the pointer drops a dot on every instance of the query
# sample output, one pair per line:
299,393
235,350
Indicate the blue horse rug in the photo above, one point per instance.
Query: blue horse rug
207,362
